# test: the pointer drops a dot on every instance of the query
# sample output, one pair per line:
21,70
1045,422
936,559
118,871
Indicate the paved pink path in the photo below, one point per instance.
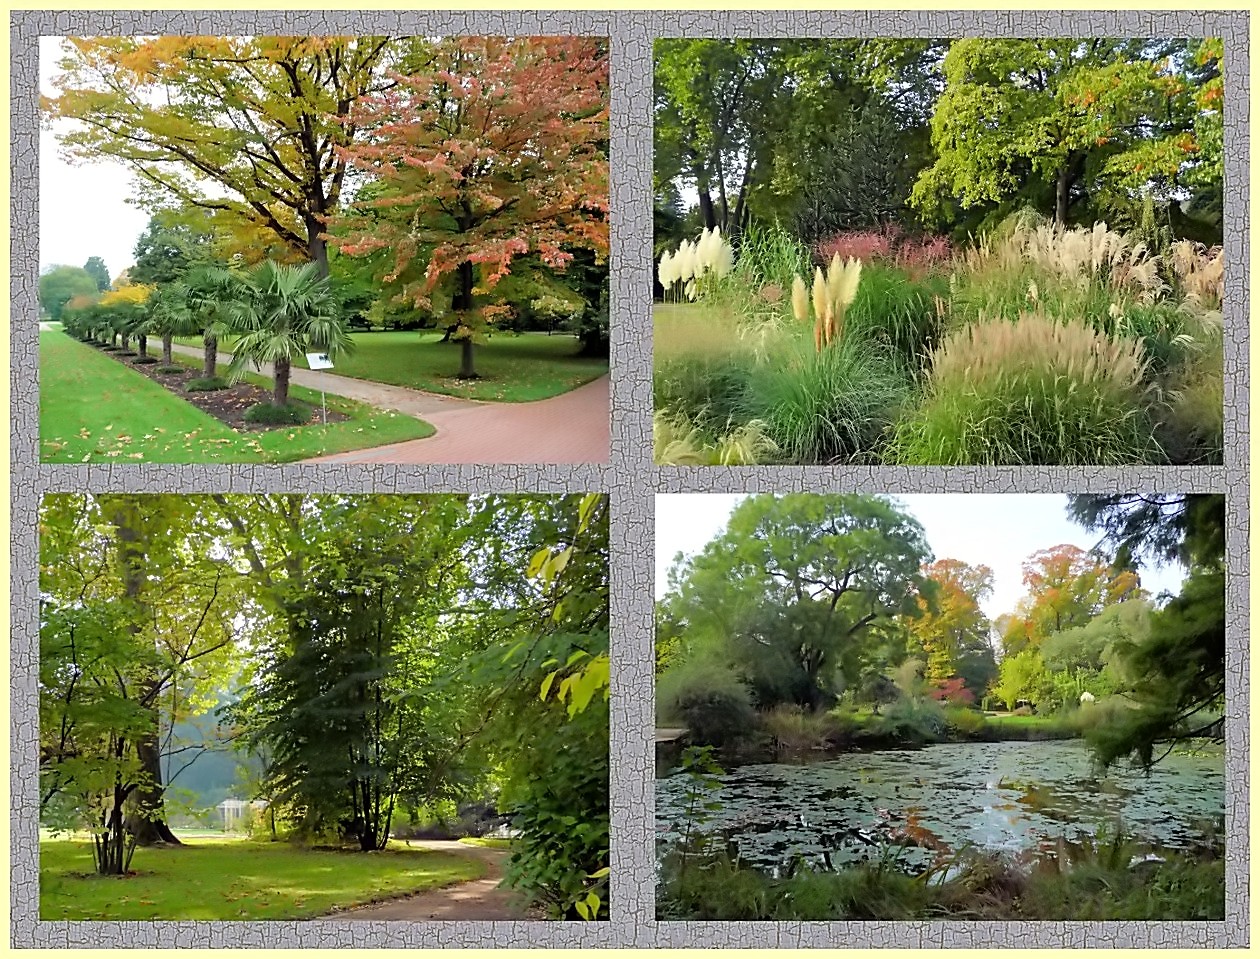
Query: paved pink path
571,428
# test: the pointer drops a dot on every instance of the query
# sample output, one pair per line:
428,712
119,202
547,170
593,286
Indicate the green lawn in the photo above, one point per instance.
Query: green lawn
92,408
513,368
489,842
235,879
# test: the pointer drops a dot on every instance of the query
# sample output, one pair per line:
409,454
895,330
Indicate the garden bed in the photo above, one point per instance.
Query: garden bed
229,405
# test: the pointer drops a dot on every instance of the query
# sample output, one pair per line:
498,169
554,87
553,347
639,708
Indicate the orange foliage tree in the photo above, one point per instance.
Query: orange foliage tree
497,151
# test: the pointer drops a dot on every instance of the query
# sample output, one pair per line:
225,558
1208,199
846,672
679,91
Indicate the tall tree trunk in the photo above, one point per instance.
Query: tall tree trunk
147,829
317,247
212,355
282,368
707,218
148,821
142,343
167,340
1062,192
463,302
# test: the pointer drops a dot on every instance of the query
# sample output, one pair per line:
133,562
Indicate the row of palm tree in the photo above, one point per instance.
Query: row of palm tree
277,312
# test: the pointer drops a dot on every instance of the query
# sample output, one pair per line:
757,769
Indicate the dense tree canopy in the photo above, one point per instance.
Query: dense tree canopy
840,134
370,657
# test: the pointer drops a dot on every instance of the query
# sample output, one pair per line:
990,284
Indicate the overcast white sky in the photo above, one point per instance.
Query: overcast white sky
82,208
994,529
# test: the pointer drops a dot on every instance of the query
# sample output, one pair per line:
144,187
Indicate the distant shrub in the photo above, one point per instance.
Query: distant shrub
912,720
171,370
968,723
293,414
795,730
709,699
145,360
1033,392
914,253
205,384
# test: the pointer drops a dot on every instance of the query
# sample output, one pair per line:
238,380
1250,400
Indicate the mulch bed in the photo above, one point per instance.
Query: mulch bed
227,405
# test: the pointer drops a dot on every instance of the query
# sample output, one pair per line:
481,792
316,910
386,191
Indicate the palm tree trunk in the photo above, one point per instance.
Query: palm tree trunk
167,338
212,356
281,397
142,342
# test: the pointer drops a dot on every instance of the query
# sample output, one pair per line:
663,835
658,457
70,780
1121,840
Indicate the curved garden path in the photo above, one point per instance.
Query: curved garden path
570,428
478,899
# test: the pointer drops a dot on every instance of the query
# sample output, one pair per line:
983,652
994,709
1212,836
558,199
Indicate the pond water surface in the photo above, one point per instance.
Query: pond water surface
1027,799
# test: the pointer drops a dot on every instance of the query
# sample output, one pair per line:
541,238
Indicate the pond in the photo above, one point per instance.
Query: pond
1028,799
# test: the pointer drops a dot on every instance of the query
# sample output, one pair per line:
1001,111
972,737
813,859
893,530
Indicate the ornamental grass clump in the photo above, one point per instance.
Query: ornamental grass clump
833,292
826,406
1035,392
696,266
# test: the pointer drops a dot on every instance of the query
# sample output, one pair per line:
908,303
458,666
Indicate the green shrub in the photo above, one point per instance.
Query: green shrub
964,722
205,384
1033,392
171,369
912,719
826,406
795,730
294,414
145,360
709,699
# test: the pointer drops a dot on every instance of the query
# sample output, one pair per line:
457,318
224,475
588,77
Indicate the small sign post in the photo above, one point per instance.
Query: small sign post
320,361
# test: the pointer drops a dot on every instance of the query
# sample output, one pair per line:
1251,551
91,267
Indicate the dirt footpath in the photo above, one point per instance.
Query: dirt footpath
480,899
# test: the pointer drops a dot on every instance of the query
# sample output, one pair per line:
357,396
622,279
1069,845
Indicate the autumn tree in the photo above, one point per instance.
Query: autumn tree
496,151
1070,117
1067,587
247,129
951,623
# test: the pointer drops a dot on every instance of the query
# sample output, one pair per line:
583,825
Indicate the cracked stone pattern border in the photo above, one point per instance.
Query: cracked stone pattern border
630,478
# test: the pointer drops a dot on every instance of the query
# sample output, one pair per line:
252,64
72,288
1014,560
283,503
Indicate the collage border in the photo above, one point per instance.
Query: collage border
629,477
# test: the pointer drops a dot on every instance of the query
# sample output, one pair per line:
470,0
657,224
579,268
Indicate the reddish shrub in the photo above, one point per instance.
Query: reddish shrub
953,691
916,255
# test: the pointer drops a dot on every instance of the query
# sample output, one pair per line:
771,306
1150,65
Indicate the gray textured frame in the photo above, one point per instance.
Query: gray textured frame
630,478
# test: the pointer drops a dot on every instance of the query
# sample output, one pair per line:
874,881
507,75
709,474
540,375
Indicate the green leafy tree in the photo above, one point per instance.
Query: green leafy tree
126,570
1178,670
60,285
1062,119
344,703
796,587
95,268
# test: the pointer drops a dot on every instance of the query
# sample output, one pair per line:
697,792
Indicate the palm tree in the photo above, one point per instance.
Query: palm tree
170,317
283,311
211,290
